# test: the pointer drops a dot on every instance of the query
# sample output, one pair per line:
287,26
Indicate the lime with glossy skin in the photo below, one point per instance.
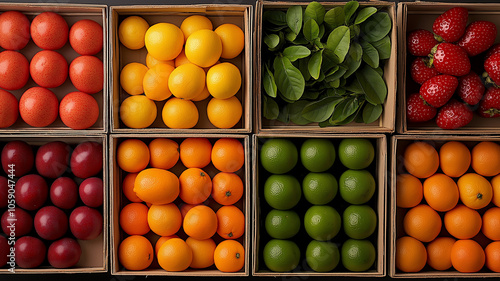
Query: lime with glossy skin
282,224
317,155
359,221
358,255
319,188
278,156
281,255
356,186
322,256
282,192
322,222
356,153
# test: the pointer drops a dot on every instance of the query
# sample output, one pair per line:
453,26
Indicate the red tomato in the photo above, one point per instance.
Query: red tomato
79,110
14,70
87,74
14,30
9,109
85,37
49,69
38,107
49,31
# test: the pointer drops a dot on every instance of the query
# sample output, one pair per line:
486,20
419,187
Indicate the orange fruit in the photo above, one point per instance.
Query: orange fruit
180,114
175,255
195,186
155,82
441,192
409,191
134,219
152,61
194,23
228,155
227,188
475,190
439,253
184,207
462,222
162,240
200,222
495,184
195,152
492,252
230,222
467,256
421,159
224,80
203,47
491,223
186,81
454,158
229,256
128,188
135,253
157,186
224,113
132,155
164,153
411,255
164,220
422,222
181,59
232,38
486,158
203,252
164,41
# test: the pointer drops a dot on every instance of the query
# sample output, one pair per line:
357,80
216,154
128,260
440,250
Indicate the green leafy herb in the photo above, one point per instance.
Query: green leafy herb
294,53
288,78
294,18
315,11
339,41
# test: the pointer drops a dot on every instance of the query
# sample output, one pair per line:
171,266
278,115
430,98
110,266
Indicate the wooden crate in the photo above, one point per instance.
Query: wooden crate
378,168
94,256
386,122
71,13
397,147
417,15
240,15
118,200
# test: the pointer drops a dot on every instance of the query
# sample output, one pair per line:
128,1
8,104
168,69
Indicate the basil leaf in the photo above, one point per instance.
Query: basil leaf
343,110
383,47
294,53
349,10
315,11
294,18
351,117
271,108
376,27
373,85
269,83
339,41
288,78
353,59
335,17
311,30
295,112
275,17
364,14
271,40
370,54
371,113
314,64
321,110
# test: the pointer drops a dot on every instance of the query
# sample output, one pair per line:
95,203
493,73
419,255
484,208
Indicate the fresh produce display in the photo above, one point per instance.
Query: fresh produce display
187,69
182,204
325,66
448,201
454,67
51,200
46,61
317,205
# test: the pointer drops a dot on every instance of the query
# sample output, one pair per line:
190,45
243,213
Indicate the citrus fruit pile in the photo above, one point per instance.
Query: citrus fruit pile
451,197
183,196
185,65
306,222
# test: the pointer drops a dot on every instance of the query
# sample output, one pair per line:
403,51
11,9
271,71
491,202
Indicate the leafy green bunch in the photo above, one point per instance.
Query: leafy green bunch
325,66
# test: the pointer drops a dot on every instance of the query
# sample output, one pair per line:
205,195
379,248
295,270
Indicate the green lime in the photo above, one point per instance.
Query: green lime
356,186
282,192
281,255
317,155
322,256
282,224
278,156
319,188
322,222
360,221
358,255
356,153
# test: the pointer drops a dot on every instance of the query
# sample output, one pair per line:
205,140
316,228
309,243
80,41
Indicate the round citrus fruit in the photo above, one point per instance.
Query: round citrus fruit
175,255
422,223
223,80
441,192
322,256
356,153
230,222
232,38
319,188
322,222
227,188
155,82
282,192
411,255
200,222
195,152
317,155
358,255
421,159
181,59
138,112
131,32
281,255
467,256
485,160
278,156
224,113
195,186
495,185
475,190
134,219
491,223
164,41
152,61
203,47
186,81
492,252
128,188
135,253
409,191
359,221
439,253
156,186
180,114
228,155
164,220
454,158
194,23
356,186
132,77
162,240
132,155
462,222
229,256
203,252
282,224
164,153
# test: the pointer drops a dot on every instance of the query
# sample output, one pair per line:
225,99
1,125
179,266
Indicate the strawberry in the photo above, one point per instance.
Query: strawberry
493,50
417,110
420,71
479,37
490,105
454,115
438,90
492,68
450,25
470,88
450,59
420,42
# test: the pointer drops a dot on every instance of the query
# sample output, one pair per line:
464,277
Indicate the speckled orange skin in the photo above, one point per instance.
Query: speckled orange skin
85,37
38,107
78,110
87,74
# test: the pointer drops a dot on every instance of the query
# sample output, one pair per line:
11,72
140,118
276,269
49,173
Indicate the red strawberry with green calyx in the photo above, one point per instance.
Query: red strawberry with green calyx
470,88
450,25
438,90
420,70
417,110
489,107
454,115
420,42
492,69
479,37
450,59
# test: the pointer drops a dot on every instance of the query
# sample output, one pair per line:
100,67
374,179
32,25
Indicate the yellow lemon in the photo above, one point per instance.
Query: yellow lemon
131,78
224,113
155,82
151,61
203,48
164,41
131,32
180,114
194,23
223,80
186,81
138,112
233,40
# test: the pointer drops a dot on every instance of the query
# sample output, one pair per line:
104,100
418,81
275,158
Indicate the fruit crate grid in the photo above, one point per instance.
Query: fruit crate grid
378,169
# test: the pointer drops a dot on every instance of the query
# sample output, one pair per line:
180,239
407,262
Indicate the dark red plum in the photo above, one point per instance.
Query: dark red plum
91,192
20,154
19,220
64,193
52,159
85,223
31,192
64,253
30,252
86,159
51,223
